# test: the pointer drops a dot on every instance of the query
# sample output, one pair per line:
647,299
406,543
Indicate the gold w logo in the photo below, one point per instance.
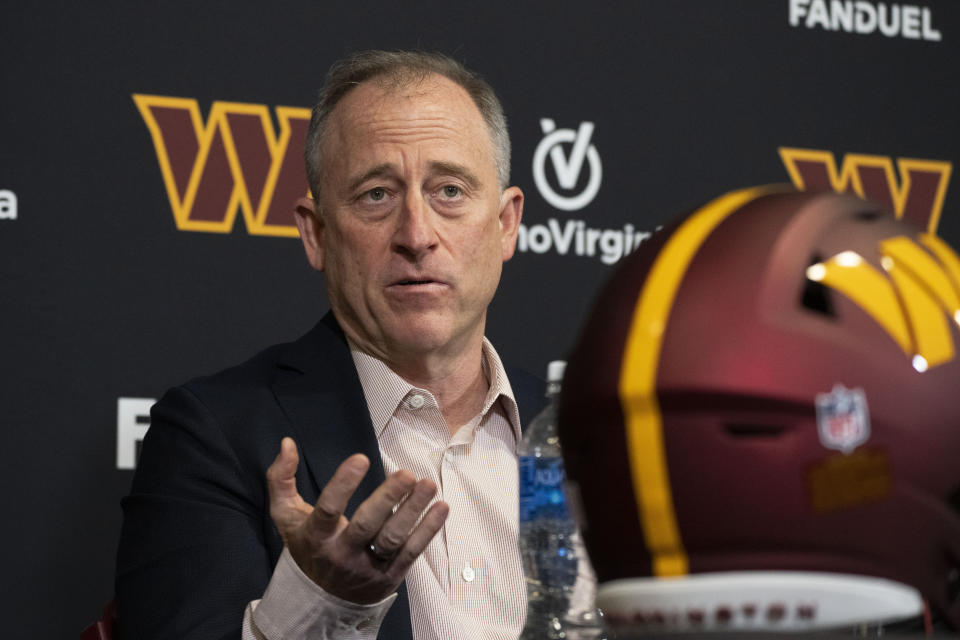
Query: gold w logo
917,198
916,304
236,161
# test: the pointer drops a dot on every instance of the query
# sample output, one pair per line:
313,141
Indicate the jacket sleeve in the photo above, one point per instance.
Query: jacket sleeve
193,550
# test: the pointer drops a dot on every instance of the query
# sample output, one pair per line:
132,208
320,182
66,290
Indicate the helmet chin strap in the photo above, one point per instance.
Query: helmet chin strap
768,601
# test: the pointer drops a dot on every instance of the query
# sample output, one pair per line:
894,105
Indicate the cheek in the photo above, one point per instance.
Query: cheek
345,272
494,242
482,237
355,253
485,252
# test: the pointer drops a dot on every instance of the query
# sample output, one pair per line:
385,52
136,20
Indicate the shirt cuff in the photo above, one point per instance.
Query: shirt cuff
294,606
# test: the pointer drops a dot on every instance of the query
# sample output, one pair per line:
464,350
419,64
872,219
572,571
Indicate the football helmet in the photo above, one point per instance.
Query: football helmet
761,420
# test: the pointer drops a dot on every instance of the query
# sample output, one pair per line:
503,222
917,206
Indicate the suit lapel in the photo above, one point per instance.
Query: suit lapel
318,388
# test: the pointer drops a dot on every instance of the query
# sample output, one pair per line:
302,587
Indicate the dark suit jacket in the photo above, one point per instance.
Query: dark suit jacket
197,542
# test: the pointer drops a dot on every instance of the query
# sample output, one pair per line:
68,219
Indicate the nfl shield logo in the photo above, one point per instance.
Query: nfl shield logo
842,418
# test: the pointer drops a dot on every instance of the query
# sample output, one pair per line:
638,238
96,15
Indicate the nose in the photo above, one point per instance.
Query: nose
415,235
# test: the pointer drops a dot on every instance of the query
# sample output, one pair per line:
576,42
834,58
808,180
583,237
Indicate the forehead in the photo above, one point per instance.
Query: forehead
433,113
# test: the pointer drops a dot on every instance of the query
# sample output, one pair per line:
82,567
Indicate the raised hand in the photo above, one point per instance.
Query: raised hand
364,559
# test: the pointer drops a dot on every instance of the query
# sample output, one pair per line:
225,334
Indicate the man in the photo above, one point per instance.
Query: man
392,402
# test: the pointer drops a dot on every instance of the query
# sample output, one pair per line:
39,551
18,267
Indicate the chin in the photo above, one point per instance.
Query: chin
419,333
419,340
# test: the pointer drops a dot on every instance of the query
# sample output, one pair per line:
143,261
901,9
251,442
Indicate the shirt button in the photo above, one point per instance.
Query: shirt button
468,573
416,401
448,456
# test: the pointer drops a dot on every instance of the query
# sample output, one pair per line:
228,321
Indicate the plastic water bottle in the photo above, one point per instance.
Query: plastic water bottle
561,585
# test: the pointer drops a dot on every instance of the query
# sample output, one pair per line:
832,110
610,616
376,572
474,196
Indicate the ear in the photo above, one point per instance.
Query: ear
511,211
311,227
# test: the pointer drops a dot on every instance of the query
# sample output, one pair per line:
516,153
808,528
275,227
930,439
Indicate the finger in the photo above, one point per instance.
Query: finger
287,508
419,538
374,511
397,528
328,512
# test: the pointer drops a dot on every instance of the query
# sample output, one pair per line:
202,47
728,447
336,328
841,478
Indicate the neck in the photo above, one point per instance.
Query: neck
458,383
453,374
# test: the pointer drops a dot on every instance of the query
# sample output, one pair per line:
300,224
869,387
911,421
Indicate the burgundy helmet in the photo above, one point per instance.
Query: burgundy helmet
765,401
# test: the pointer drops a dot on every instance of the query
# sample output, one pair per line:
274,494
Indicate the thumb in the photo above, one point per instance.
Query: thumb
287,508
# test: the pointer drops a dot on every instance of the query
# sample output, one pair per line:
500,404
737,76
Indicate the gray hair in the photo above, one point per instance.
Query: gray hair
397,69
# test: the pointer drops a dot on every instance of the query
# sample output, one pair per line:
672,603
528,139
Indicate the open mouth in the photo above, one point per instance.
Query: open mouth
407,283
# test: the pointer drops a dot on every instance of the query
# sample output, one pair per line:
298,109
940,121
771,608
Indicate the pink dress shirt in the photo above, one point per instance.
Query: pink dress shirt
468,583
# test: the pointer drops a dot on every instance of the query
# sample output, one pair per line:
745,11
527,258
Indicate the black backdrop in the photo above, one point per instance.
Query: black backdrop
106,300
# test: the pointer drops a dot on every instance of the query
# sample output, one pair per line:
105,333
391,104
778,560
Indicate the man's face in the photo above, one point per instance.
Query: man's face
411,228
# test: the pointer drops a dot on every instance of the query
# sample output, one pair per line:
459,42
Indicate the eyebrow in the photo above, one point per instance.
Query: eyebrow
376,172
451,168
458,170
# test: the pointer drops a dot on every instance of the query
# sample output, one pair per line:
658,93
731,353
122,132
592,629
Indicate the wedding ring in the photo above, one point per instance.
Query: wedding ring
377,553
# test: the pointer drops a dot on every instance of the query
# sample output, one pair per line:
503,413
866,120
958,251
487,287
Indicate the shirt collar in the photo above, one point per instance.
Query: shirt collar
384,390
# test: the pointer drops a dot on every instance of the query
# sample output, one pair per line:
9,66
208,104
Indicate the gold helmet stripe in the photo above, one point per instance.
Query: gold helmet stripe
638,380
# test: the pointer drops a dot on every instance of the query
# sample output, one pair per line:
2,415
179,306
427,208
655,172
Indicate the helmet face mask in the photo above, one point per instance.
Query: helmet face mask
690,418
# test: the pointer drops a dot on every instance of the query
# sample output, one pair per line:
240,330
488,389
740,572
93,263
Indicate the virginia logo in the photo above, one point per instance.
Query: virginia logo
918,196
233,161
567,168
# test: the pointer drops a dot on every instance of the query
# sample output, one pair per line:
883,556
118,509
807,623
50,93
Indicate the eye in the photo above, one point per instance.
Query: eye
451,191
377,194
